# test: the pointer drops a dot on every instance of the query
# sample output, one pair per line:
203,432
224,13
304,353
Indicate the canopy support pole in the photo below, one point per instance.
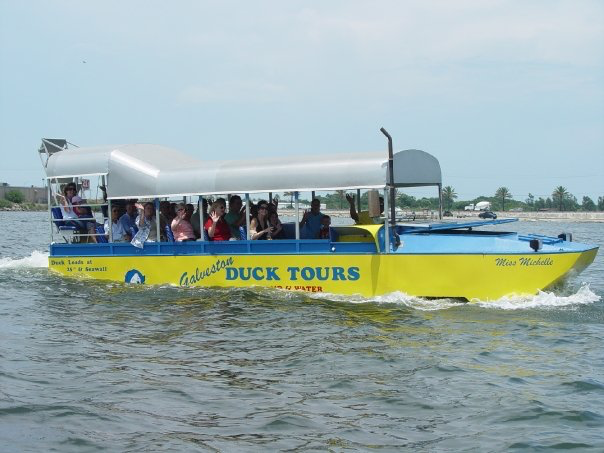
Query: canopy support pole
247,216
200,210
358,200
440,202
52,224
110,221
157,229
297,215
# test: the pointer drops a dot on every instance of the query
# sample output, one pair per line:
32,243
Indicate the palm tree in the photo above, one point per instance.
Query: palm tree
560,194
448,196
503,193
291,200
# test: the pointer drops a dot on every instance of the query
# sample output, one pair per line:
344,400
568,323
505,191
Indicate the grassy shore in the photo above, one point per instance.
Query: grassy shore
6,205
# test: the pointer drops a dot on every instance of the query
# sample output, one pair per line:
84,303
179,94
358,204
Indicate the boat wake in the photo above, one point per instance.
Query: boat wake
396,298
543,300
35,260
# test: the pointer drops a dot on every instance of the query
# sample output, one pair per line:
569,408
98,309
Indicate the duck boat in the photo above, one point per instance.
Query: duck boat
433,259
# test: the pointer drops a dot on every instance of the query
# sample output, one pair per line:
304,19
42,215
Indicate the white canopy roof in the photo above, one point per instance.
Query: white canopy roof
135,171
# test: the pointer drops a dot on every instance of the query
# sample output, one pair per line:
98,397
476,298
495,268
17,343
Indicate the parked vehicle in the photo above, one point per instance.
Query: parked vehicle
487,215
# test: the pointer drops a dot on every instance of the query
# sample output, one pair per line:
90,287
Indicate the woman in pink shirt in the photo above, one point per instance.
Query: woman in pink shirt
181,225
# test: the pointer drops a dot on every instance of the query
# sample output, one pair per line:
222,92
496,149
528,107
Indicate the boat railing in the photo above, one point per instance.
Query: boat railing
218,248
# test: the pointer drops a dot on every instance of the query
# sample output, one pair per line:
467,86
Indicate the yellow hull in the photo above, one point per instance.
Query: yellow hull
471,276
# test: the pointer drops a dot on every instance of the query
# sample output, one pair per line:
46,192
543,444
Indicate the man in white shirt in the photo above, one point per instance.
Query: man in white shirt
118,234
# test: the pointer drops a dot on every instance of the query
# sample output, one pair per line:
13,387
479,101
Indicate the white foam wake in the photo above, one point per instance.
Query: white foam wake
543,300
36,259
397,298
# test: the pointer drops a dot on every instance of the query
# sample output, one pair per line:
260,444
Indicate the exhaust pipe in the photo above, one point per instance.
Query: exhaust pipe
391,184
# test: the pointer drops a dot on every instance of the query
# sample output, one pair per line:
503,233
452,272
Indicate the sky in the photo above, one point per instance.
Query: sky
502,93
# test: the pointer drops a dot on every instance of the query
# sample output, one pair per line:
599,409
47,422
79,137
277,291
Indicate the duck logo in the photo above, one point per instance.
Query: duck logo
134,276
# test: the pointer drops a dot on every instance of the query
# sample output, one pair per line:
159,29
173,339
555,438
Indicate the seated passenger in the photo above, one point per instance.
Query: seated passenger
195,218
260,229
166,211
311,221
363,218
181,225
324,231
128,220
189,208
273,205
118,234
86,220
147,225
236,216
217,228
69,191
276,226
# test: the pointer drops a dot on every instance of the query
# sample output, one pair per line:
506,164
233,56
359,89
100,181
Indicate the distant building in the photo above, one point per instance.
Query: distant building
32,194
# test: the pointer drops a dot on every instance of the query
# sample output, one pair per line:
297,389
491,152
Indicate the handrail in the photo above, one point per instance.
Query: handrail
83,205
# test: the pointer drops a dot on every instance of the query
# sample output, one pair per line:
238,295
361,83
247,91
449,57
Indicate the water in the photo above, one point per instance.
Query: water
88,366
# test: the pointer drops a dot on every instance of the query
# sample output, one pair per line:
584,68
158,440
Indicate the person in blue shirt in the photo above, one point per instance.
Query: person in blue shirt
128,220
310,226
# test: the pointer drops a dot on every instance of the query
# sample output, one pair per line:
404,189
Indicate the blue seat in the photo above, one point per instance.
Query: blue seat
205,235
169,234
289,230
100,237
333,235
60,222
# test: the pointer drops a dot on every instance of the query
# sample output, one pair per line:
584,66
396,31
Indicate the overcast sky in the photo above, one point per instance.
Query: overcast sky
503,93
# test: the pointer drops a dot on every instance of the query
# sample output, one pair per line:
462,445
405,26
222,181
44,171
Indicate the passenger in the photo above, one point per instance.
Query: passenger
363,218
273,206
128,220
173,210
195,218
69,191
276,226
311,222
86,218
253,210
147,226
324,231
166,211
188,208
260,229
217,228
181,225
118,234
236,216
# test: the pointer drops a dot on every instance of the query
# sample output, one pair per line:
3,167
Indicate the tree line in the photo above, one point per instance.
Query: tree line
560,200
502,200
